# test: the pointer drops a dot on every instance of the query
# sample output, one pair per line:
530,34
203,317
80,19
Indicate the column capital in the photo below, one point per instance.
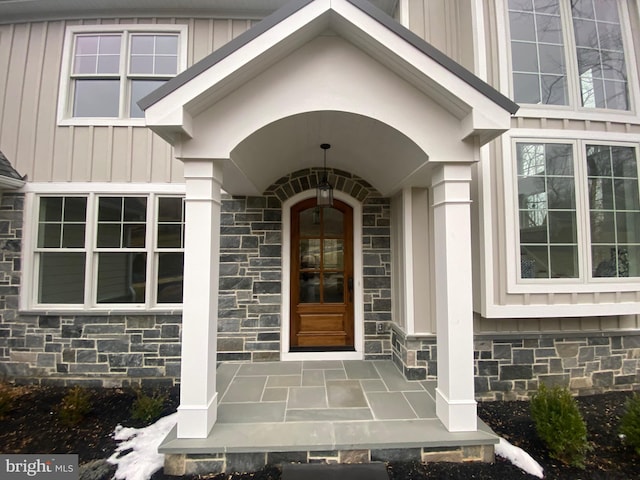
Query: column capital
451,173
450,183
203,168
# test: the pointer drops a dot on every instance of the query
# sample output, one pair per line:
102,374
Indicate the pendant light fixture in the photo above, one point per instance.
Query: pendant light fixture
324,190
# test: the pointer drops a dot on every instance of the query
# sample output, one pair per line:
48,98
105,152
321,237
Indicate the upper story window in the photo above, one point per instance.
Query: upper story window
569,52
105,73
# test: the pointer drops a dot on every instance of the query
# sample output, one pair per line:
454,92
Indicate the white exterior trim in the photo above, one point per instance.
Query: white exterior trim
90,187
574,110
28,301
358,288
64,116
407,253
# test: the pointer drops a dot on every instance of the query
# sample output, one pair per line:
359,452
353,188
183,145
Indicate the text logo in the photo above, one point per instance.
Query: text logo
45,467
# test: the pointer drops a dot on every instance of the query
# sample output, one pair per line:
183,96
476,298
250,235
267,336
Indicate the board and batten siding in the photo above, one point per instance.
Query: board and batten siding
445,24
30,64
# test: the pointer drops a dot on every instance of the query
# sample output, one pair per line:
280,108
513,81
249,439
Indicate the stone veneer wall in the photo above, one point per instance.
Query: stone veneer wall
251,272
137,348
512,366
89,349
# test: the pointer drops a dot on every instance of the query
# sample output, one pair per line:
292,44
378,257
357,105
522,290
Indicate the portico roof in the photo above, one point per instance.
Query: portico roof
422,102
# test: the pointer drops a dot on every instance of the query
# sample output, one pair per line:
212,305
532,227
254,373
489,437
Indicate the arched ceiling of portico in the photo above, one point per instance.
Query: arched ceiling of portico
382,128
366,147
334,71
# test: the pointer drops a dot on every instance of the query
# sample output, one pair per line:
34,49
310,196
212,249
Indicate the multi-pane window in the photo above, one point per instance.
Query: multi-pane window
614,211
552,212
111,71
547,206
543,65
105,250
61,249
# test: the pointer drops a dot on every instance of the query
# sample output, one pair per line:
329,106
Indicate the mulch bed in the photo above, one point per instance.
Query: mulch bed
33,426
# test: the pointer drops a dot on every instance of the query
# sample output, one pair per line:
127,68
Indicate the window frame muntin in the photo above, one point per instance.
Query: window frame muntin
585,283
66,85
29,289
575,110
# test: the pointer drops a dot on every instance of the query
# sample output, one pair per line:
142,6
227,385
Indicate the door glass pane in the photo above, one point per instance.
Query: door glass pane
310,253
333,253
309,287
333,222
333,288
310,222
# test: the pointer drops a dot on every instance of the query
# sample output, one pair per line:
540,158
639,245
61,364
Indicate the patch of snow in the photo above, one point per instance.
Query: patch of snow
143,459
519,458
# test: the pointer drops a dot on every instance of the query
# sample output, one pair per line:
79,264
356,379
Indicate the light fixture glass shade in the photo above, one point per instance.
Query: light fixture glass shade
324,193
324,190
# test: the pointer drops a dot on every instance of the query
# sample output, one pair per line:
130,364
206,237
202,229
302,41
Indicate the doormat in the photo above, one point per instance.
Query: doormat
322,471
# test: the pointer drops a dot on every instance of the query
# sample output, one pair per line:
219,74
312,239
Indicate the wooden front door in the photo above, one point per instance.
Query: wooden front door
321,277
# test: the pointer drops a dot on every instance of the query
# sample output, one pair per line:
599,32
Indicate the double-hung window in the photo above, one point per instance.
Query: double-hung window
572,190
569,52
105,251
106,72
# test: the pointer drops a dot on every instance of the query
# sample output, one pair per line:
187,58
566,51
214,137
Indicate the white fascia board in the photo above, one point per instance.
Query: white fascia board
173,126
486,127
189,94
382,42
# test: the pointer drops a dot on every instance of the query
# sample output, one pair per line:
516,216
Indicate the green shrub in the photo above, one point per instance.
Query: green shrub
75,406
630,423
148,408
560,425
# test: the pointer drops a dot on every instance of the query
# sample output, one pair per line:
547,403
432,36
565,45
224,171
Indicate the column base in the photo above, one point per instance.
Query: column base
457,415
195,421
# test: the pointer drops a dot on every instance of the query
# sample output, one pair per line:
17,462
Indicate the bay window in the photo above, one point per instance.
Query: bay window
569,52
554,213
101,251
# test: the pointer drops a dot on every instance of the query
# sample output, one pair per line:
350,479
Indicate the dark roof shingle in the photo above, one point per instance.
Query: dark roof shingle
6,170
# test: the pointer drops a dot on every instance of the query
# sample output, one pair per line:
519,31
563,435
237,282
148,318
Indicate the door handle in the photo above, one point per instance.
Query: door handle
350,288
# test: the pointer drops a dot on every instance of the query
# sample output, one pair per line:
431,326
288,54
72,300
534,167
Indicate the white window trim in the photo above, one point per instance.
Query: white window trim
358,291
28,291
573,111
65,100
585,283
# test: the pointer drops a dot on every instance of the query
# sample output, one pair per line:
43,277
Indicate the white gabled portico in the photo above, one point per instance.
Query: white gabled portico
398,113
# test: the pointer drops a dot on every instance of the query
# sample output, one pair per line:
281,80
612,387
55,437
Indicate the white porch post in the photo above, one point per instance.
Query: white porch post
198,398
455,401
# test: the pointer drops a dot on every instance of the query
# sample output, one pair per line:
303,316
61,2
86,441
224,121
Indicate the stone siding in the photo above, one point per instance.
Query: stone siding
251,267
142,348
512,367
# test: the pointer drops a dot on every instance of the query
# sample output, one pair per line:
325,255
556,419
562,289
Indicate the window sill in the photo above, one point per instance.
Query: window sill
63,311
101,122
566,113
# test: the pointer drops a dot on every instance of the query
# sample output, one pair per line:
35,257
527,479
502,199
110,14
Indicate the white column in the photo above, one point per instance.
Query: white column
198,398
455,401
